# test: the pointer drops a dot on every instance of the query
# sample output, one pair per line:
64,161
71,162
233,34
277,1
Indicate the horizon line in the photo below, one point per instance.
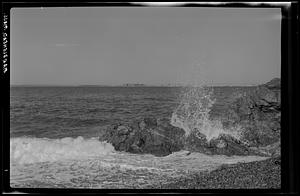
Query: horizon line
124,85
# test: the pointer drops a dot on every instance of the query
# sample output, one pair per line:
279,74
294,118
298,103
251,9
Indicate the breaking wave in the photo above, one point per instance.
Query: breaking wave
25,150
192,114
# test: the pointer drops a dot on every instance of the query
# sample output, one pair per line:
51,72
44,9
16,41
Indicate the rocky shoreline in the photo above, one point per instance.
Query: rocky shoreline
256,114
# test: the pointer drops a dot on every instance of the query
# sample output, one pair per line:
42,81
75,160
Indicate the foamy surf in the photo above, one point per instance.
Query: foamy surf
88,163
25,150
118,170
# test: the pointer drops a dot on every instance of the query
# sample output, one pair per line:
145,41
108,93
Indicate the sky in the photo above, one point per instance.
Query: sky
149,45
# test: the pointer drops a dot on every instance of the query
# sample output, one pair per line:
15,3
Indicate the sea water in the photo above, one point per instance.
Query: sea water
54,135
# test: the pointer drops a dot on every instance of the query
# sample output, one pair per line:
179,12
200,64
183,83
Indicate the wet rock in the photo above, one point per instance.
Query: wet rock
274,84
148,123
147,137
222,145
196,142
258,113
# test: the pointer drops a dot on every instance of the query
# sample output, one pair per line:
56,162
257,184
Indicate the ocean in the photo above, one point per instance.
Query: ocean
54,136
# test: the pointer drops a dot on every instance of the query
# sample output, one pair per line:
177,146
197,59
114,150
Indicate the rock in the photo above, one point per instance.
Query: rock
148,123
147,137
223,145
274,84
197,143
258,113
123,130
118,136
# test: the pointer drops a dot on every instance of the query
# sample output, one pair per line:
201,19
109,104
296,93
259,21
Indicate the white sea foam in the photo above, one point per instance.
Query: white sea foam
118,170
30,150
192,114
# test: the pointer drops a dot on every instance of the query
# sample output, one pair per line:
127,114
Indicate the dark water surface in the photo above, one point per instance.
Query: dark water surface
57,112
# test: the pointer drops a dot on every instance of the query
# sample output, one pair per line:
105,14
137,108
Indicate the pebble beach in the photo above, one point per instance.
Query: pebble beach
264,174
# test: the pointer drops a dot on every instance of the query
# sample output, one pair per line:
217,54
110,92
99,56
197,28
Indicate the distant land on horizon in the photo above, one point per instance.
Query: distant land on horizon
139,85
128,85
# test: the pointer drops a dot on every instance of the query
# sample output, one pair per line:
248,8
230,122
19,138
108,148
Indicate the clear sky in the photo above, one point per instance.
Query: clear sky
150,45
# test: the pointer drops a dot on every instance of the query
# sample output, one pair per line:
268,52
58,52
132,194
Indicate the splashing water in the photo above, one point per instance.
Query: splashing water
192,114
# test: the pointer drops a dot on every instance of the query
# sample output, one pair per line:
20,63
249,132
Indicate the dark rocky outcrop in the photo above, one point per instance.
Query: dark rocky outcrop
256,113
274,84
224,144
145,136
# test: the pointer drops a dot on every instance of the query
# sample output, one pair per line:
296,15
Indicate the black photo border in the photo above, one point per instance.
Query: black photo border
289,80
